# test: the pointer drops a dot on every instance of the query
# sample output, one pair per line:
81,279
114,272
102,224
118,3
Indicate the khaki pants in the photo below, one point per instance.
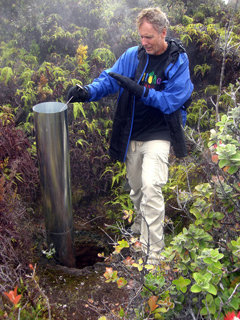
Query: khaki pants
147,172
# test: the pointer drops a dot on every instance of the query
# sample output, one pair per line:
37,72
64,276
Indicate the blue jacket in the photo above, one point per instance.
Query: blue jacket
132,63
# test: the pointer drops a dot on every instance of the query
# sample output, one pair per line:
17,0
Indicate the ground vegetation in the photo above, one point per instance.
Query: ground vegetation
47,47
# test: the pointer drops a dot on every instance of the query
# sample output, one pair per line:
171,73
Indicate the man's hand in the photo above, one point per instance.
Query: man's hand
78,94
128,84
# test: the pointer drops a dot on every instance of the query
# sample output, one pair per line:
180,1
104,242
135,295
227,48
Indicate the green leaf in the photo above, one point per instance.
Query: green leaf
204,311
121,312
158,316
195,288
232,169
230,209
217,264
149,266
162,310
223,163
181,284
216,225
220,215
81,141
236,157
207,227
209,299
212,290
181,298
212,308
223,119
208,260
202,278
121,244
235,303
136,265
217,301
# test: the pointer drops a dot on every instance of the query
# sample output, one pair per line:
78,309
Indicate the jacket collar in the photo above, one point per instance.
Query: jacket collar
176,47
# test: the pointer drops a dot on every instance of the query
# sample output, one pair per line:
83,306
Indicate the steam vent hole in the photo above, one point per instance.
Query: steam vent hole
87,255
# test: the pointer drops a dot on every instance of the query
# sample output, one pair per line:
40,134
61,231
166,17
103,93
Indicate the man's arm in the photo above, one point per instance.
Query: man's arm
178,88
104,85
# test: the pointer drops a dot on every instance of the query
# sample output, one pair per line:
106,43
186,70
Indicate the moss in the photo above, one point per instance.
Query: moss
77,195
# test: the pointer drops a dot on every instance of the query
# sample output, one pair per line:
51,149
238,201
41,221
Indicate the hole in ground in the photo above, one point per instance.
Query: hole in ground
87,255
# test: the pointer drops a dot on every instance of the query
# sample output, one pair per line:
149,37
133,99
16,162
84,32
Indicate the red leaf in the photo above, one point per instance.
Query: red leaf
215,158
225,169
137,244
152,303
128,261
231,315
13,297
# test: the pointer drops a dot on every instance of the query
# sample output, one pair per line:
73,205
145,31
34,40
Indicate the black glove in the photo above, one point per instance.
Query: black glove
128,84
78,94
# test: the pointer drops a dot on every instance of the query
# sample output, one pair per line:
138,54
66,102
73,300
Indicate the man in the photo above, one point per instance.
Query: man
154,88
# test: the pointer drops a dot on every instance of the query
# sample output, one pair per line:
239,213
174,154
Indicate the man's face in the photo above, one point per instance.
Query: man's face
153,42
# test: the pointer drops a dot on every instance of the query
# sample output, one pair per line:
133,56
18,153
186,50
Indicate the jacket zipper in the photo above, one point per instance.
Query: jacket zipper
134,110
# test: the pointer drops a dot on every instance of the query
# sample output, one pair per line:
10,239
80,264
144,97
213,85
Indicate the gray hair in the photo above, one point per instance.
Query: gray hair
155,16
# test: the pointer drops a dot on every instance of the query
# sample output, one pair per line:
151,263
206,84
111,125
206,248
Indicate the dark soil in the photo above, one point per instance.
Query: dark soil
82,293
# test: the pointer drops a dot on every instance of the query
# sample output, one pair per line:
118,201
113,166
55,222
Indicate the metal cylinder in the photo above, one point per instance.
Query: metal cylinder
51,128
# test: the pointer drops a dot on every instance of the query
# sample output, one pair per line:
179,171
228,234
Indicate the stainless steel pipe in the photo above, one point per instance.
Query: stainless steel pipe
51,128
